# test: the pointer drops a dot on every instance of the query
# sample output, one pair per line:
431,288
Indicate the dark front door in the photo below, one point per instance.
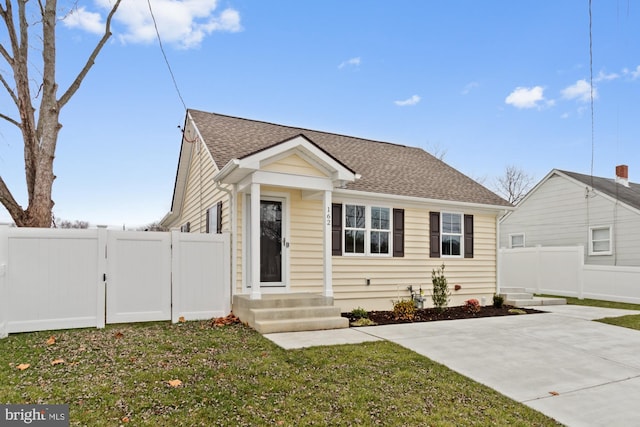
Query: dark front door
271,243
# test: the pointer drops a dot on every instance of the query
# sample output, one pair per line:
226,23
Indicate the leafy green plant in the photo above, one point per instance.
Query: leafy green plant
472,306
404,310
441,293
498,301
359,313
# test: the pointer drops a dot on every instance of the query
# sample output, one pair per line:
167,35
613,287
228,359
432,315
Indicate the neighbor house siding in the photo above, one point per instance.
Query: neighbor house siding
559,213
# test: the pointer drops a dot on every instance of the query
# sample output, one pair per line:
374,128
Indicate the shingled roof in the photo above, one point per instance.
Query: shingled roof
629,195
384,167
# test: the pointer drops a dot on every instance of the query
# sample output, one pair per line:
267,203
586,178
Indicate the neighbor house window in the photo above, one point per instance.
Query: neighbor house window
451,234
516,240
185,228
600,241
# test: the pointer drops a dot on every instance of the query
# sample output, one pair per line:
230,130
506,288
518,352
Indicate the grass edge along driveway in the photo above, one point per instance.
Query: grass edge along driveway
192,373
631,321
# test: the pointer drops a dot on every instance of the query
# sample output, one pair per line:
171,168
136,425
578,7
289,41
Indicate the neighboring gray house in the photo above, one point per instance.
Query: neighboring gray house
568,208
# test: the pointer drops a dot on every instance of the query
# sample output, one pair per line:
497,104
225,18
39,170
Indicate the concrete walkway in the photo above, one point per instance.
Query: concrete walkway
581,373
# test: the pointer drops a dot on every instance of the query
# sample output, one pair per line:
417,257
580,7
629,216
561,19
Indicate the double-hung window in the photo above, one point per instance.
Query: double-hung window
354,229
600,241
367,230
451,234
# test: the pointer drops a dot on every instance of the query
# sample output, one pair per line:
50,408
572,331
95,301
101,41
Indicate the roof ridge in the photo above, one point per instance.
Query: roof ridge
594,176
306,129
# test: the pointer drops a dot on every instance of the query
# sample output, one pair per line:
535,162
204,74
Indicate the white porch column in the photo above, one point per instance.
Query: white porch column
327,267
255,241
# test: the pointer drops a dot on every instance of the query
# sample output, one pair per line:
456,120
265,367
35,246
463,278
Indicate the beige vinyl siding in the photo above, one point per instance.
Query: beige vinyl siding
293,164
390,277
559,214
201,194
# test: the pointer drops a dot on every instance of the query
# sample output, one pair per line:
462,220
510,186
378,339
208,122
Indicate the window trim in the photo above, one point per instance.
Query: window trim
524,242
591,241
368,230
461,234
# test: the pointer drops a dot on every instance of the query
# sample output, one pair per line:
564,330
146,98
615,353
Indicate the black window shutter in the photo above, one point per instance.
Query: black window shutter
206,223
468,236
336,229
219,218
434,234
398,232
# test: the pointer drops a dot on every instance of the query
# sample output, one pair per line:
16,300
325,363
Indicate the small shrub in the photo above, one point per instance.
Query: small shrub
441,293
517,311
404,310
359,313
498,301
472,306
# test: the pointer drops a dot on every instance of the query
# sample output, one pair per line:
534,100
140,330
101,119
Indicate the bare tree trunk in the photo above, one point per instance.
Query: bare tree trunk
40,137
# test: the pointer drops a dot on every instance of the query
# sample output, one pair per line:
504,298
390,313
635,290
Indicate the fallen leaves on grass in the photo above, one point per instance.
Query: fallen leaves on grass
231,319
181,319
23,366
51,340
57,362
118,335
174,383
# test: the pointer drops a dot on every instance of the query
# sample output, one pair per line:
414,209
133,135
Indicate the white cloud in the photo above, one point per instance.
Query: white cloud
184,23
407,102
602,76
581,91
468,88
635,73
355,62
87,21
525,97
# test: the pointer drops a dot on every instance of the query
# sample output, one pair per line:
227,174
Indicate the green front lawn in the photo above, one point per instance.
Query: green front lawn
631,321
125,374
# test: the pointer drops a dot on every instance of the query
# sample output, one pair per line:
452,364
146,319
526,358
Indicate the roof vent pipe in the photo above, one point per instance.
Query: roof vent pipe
622,175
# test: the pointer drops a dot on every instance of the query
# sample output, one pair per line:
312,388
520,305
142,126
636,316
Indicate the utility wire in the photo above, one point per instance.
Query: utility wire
591,89
175,83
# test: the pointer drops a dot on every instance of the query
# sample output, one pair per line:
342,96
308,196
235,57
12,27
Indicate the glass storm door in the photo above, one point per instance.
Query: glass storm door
271,243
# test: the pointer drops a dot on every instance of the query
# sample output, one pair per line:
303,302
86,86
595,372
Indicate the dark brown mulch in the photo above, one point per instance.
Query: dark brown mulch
449,313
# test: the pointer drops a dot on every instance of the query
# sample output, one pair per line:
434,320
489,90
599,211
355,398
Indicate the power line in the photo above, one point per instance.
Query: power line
175,83
591,89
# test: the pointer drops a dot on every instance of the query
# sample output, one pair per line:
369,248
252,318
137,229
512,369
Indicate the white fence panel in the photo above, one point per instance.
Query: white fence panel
612,283
52,279
561,271
201,276
138,276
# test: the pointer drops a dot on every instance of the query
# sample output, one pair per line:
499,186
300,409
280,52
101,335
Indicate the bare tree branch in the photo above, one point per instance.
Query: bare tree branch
76,83
6,198
514,184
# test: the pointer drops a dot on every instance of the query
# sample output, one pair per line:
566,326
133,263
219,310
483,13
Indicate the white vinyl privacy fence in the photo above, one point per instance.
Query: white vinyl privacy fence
57,279
562,271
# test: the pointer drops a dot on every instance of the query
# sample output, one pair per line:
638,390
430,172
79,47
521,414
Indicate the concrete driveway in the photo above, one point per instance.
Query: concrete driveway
581,373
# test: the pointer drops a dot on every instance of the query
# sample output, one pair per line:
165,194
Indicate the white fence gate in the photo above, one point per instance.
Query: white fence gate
562,271
57,279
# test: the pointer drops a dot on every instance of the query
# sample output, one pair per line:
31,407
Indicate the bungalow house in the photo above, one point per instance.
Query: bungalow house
351,220
568,209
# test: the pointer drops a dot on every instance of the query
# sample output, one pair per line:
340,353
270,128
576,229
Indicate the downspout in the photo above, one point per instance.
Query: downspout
232,215
498,257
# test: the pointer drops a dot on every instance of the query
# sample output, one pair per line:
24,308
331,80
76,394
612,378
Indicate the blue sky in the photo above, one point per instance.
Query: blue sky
493,83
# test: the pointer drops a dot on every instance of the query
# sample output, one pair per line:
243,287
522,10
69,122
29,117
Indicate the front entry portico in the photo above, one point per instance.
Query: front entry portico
263,182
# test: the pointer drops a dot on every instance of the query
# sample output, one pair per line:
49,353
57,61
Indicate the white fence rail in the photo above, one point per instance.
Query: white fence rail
57,279
561,271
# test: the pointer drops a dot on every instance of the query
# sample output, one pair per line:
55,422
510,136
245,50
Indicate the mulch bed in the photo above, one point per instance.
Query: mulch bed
449,313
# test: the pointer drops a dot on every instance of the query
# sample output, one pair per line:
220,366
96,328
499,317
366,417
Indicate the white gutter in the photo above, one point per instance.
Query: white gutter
418,200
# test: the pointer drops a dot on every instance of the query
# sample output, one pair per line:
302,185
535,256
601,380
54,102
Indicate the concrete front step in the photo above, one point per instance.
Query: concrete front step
535,301
297,325
288,312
